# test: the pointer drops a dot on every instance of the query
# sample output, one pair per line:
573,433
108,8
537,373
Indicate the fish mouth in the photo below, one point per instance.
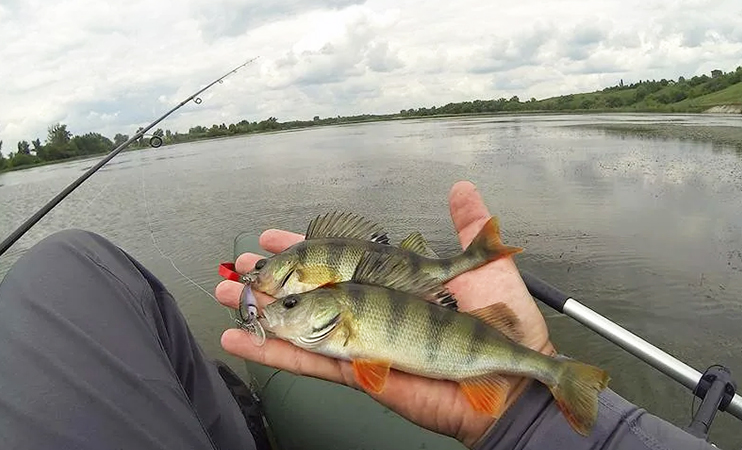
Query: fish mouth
265,324
264,317
250,277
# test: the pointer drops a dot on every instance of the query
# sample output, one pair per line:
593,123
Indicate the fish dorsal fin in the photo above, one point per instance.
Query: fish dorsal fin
345,225
380,238
393,272
501,317
415,242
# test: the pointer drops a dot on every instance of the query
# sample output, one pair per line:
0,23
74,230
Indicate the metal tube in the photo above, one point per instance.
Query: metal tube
660,360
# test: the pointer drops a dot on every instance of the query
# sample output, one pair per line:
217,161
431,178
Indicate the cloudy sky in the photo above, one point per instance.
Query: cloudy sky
111,66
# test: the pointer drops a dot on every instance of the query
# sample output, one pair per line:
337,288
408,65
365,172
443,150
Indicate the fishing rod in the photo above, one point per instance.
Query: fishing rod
715,386
38,215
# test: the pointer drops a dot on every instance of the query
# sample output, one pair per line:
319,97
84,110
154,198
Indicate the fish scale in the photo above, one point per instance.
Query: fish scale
382,318
334,245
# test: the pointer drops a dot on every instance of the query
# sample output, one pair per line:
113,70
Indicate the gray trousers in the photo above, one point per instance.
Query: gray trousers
94,354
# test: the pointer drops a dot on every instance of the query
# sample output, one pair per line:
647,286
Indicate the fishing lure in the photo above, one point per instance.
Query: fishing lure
248,312
248,306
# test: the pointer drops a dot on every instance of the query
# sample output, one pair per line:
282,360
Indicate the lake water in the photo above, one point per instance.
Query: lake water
647,232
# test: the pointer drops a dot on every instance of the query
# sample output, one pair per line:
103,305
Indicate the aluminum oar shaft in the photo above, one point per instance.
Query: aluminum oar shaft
657,358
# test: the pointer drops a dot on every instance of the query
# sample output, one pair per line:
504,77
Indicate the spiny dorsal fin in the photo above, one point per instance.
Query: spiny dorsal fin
380,238
393,272
415,242
501,317
345,225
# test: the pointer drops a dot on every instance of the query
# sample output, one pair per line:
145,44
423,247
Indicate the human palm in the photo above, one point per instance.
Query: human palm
434,404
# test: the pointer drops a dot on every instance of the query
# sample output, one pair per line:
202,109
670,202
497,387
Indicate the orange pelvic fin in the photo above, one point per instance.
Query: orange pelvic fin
486,393
371,375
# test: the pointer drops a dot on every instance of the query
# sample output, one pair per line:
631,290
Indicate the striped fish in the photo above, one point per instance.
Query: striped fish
334,244
384,318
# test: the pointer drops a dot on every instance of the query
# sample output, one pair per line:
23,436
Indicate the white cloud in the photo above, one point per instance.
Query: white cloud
113,66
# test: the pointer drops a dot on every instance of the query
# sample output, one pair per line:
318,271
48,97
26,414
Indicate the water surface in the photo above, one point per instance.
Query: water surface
647,232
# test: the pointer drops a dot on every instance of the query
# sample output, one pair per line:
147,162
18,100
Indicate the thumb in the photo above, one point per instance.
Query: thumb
468,211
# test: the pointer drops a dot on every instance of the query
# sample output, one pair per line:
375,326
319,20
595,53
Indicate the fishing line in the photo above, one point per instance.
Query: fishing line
157,246
86,208
246,299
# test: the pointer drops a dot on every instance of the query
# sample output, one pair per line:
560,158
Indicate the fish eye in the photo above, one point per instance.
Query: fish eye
261,263
290,301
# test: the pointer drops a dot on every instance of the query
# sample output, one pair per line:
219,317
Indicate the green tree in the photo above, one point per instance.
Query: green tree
613,101
587,103
120,139
57,143
3,161
198,130
159,133
58,135
91,144
37,147
24,148
140,141
22,159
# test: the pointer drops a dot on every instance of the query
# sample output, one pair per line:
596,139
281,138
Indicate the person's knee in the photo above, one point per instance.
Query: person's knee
69,238
59,252
64,244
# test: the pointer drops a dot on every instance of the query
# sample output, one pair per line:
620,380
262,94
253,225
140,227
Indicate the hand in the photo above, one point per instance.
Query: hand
437,405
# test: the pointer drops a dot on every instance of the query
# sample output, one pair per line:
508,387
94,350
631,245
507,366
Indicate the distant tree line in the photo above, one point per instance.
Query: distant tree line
59,145
649,95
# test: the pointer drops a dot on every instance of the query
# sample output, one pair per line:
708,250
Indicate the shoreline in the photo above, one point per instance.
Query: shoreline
716,134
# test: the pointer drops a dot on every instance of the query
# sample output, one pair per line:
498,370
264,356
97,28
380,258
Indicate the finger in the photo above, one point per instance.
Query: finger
283,355
246,262
228,293
468,211
276,241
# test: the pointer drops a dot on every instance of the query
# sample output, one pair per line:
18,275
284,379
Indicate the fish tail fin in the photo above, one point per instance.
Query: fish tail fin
488,244
576,394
